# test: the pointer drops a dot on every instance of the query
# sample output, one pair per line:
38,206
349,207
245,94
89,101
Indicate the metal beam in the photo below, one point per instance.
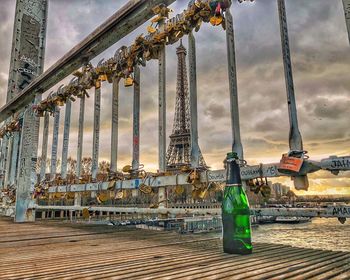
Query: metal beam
247,172
295,139
66,139
115,120
329,212
346,4
232,76
56,126
96,133
80,135
162,107
3,160
14,159
195,152
124,21
27,177
8,161
136,120
44,146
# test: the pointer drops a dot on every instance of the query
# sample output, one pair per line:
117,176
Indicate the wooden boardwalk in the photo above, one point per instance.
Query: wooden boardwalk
54,250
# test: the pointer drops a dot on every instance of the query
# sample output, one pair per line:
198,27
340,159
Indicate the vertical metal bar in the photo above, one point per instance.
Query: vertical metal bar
44,147
27,176
115,118
162,119
162,109
56,126
8,160
14,160
96,135
195,152
3,160
232,75
136,120
66,139
346,4
295,140
80,135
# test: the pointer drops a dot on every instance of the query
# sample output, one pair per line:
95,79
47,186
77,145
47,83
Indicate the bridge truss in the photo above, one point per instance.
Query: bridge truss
134,190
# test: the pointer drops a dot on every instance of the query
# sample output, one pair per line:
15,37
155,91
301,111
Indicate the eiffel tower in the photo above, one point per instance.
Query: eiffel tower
179,151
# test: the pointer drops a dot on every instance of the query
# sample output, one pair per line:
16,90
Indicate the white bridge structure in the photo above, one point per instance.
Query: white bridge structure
26,194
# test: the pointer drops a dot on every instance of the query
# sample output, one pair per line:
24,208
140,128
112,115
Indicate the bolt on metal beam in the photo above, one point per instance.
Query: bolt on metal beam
136,120
232,77
96,133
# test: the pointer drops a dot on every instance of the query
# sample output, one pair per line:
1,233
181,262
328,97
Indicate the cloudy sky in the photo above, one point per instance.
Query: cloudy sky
321,61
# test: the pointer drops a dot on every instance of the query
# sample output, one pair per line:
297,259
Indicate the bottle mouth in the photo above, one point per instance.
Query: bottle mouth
231,156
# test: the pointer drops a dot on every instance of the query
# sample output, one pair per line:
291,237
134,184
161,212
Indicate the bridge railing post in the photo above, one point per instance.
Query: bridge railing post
115,120
193,100
162,118
295,139
44,146
27,177
96,133
56,126
136,120
232,77
66,132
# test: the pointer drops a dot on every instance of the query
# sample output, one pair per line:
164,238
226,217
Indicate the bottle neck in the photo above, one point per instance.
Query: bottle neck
233,174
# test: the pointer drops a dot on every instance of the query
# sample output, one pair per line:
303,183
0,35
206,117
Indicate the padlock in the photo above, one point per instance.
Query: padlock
111,185
290,164
127,169
179,190
101,197
86,213
151,29
128,82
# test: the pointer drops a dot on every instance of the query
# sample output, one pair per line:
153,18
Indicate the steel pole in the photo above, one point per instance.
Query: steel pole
80,135
14,159
195,152
295,139
66,139
3,160
115,120
136,120
96,134
56,126
44,147
346,4
8,161
232,76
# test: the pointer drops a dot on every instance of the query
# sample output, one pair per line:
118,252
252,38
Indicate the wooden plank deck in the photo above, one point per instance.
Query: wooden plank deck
56,250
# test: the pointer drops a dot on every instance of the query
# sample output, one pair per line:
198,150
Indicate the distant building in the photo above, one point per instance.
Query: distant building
278,190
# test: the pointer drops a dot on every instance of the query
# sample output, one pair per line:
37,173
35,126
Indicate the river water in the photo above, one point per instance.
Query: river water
320,233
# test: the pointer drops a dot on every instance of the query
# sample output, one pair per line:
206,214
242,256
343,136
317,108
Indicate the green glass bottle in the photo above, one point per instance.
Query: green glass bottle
235,211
